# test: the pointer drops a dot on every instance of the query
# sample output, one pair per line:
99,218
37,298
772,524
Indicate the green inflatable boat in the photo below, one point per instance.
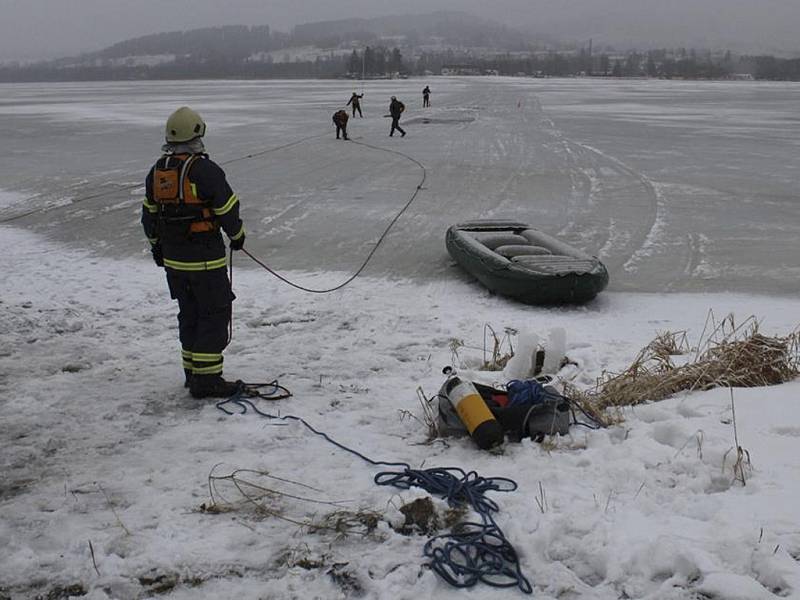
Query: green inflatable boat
513,259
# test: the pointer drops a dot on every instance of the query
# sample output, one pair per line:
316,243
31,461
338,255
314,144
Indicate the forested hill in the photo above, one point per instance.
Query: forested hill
323,49
444,27
231,40
453,29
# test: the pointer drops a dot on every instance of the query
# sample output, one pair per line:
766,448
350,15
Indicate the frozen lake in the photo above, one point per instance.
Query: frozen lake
677,186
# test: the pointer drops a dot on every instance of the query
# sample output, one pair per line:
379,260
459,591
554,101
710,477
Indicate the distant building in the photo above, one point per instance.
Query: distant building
460,70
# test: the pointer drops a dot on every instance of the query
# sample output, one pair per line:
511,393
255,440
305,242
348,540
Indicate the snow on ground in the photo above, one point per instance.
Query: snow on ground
11,199
106,457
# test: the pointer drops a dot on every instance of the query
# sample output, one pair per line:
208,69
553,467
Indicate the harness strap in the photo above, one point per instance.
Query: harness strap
187,164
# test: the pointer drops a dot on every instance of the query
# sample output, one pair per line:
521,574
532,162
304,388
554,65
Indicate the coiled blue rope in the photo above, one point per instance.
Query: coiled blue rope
472,552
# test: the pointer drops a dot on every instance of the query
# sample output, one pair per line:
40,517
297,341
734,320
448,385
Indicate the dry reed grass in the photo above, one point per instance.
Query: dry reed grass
728,355
495,357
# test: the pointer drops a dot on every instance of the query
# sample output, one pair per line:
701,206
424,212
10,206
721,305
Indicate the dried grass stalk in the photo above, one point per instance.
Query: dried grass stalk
495,357
727,356
249,489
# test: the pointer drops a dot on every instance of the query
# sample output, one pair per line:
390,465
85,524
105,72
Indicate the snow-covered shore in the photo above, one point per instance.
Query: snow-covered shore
102,445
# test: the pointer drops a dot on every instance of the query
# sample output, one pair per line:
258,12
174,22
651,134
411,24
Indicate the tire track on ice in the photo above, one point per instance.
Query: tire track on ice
622,214
606,214
653,229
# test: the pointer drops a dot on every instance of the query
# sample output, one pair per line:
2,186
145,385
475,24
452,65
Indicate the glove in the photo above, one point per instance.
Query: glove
238,243
158,254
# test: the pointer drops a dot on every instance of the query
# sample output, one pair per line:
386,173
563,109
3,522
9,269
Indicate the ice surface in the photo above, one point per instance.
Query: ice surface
676,186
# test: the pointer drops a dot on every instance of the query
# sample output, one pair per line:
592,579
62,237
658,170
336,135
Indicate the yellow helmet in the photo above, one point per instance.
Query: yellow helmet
184,125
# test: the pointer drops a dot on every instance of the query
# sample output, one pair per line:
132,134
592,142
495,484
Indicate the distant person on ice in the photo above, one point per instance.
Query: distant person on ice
188,203
355,100
340,120
426,97
396,108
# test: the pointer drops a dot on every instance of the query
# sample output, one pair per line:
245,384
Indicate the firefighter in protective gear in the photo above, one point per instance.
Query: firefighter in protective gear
188,204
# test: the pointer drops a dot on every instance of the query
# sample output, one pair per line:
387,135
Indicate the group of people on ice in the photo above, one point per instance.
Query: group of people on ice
396,108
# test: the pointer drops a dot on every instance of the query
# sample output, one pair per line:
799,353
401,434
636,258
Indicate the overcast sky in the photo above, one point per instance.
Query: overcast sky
53,28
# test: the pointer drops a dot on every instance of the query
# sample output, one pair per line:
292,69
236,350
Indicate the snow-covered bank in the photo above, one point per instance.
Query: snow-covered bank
101,444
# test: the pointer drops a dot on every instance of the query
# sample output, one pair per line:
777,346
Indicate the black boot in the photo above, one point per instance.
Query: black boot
213,386
188,382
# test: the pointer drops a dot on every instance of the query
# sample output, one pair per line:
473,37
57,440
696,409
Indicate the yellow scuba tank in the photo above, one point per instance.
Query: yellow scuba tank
473,412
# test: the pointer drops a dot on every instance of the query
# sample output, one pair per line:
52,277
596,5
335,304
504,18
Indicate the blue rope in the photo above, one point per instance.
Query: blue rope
472,552
527,392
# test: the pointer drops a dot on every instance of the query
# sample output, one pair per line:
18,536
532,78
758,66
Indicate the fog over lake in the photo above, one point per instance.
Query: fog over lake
38,29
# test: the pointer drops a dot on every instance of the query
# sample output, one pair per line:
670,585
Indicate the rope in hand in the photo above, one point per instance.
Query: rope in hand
230,280
377,244
472,552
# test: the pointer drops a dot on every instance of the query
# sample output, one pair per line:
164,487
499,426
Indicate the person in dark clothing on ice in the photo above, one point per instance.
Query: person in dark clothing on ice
188,203
355,100
340,118
396,108
426,97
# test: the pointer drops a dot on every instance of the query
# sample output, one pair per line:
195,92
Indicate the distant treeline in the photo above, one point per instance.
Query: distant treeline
384,62
778,69
668,64
213,68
